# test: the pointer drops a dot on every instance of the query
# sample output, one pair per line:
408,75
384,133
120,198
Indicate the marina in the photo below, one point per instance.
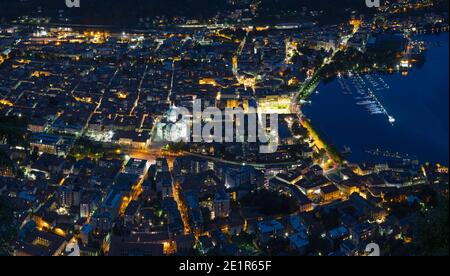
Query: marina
404,115
364,87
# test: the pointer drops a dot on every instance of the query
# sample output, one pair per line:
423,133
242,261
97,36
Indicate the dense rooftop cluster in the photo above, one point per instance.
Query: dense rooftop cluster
79,164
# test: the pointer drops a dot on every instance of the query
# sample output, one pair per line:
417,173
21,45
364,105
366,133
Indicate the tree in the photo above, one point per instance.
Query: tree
320,155
13,131
6,162
176,147
7,231
298,129
431,232
4,159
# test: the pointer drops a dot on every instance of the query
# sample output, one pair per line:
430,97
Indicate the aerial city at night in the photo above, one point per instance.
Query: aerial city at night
238,128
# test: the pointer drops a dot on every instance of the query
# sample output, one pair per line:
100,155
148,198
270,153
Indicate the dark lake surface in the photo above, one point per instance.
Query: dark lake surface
419,103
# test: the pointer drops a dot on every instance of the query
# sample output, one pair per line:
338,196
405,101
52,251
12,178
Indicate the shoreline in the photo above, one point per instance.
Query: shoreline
421,160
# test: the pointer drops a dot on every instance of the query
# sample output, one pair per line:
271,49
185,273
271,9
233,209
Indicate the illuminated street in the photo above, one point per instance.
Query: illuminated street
232,128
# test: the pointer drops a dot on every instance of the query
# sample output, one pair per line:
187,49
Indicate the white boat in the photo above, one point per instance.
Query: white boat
365,103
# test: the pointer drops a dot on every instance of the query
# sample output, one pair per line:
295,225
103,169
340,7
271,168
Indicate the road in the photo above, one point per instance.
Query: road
310,84
136,103
172,80
235,163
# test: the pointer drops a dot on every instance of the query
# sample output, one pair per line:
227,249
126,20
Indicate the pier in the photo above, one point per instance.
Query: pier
368,99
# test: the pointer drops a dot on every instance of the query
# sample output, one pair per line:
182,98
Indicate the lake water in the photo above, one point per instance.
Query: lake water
419,103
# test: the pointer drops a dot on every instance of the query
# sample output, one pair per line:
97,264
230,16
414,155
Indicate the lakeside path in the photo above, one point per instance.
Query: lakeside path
306,90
